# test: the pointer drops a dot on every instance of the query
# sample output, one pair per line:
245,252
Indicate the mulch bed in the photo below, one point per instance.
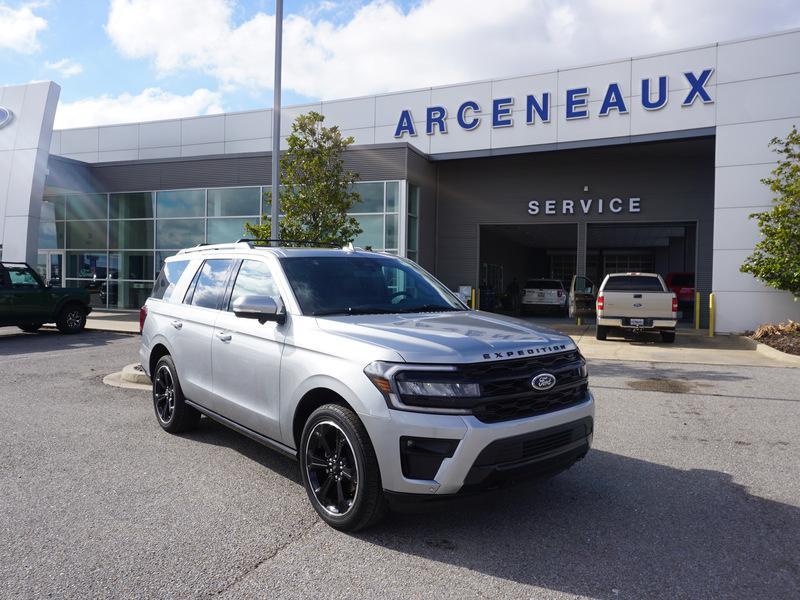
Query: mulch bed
789,343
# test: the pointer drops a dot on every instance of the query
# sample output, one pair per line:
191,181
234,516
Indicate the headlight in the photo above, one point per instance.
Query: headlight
423,388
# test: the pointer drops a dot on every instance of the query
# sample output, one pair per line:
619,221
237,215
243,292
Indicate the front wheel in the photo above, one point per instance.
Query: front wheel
340,470
71,319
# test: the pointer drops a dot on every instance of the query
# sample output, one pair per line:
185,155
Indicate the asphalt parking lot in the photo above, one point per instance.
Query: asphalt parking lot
691,490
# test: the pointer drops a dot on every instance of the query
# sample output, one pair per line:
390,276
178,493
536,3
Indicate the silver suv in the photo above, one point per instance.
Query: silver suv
366,369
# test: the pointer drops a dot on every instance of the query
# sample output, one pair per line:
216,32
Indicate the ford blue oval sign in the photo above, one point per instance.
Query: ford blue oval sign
543,382
5,116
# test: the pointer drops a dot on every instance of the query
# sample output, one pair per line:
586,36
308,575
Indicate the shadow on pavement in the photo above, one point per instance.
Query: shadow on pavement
50,340
614,527
662,371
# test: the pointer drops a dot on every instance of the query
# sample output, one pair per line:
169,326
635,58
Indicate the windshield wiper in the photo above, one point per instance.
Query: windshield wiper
428,308
353,311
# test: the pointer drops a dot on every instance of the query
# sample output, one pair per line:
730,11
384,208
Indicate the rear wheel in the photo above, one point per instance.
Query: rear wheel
602,332
340,470
71,319
668,337
31,327
172,412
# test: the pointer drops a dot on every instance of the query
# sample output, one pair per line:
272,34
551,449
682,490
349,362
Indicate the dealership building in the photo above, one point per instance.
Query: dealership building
650,163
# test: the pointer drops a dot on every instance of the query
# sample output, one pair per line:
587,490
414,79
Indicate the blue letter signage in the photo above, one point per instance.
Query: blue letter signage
538,105
5,116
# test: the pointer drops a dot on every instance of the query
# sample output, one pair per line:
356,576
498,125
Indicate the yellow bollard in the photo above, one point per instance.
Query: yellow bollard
697,310
578,321
473,298
711,314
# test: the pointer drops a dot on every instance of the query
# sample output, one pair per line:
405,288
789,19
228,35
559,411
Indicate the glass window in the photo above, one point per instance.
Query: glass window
51,235
392,192
360,285
180,233
87,206
161,256
130,234
168,279
254,279
53,205
209,285
391,231
135,205
412,234
133,265
86,265
371,197
125,294
97,291
413,199
233,202
22,277
633,283
87,235
372,234
181,203
221,231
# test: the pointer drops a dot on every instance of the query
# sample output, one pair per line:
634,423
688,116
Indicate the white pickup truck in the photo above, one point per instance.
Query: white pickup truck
636,302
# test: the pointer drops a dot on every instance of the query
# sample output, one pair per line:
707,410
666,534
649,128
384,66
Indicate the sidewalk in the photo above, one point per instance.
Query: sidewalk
691,346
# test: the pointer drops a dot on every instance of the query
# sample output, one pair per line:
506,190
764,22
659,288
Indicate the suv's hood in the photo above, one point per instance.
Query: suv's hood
452,337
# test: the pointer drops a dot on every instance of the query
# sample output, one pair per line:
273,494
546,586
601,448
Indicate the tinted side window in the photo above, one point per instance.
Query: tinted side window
22,277
209,284
169,276
254,279
633,283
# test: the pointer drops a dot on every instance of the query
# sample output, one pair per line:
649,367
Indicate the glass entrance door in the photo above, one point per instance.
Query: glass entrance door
51,267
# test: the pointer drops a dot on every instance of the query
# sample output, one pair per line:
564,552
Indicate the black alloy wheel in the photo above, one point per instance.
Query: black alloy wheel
172,412
340,470
331,468
71,319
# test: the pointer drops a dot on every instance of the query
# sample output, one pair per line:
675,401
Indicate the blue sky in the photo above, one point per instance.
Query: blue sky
128,60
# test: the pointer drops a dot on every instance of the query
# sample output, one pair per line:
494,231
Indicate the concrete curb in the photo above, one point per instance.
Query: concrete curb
115,380
773,353
135,374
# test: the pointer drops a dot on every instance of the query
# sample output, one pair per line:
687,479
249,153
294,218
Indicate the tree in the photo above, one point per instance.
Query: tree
776,259
316,194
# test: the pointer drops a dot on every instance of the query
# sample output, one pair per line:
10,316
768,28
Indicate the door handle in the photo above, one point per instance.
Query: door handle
176,324
225,337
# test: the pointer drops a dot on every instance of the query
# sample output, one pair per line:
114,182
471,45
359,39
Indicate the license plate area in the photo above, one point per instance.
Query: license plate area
638,322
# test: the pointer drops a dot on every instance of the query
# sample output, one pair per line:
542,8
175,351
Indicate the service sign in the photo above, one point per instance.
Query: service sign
539,106
585,206
5,116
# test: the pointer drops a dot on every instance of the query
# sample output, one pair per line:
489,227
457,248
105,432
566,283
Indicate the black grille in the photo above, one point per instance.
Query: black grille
529,405
534,445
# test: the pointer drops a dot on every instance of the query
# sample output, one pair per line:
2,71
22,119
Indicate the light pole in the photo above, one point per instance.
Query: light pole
276,124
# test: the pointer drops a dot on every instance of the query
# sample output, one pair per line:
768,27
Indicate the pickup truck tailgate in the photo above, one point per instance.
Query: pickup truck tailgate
651,305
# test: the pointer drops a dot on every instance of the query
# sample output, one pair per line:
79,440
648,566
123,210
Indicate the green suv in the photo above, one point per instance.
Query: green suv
27,302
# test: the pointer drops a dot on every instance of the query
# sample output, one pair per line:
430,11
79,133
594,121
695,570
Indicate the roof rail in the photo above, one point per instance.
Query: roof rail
204,247
255,241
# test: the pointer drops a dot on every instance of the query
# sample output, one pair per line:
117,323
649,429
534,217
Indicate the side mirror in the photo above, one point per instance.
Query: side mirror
263,308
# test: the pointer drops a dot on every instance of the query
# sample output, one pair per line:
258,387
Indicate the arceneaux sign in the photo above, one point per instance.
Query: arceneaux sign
576,103
585,206
5,116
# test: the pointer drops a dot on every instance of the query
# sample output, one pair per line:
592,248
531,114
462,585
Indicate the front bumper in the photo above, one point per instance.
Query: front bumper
464,469
650,323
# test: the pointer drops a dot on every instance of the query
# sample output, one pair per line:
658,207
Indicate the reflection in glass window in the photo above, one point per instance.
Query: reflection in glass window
51,235
168,278
180,233
371,197
53,208
130,234
125,294
254,279
87,235
133,265
233,202
210,284
87,206
135,205
96,289
181,203
392,193
88,265
221,231
161,256
391,231
21,277
372,234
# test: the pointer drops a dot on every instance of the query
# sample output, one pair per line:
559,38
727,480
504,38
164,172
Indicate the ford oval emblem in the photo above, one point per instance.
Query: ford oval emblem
637,305
5,116
543,382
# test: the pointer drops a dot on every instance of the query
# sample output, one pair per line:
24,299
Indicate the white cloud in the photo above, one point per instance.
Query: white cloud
152,104
381,47
65,67
20,28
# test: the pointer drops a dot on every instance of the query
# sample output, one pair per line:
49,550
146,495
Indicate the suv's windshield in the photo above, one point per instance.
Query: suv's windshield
349,285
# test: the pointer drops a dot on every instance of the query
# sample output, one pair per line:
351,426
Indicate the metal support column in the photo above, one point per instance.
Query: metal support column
276,124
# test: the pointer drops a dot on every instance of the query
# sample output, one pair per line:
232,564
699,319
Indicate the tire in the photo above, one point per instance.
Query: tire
31,327
602,332
347,494
172,412
71,319
668,337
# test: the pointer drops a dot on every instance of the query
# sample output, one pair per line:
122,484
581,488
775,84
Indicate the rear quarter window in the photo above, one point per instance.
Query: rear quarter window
168,278
633,283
